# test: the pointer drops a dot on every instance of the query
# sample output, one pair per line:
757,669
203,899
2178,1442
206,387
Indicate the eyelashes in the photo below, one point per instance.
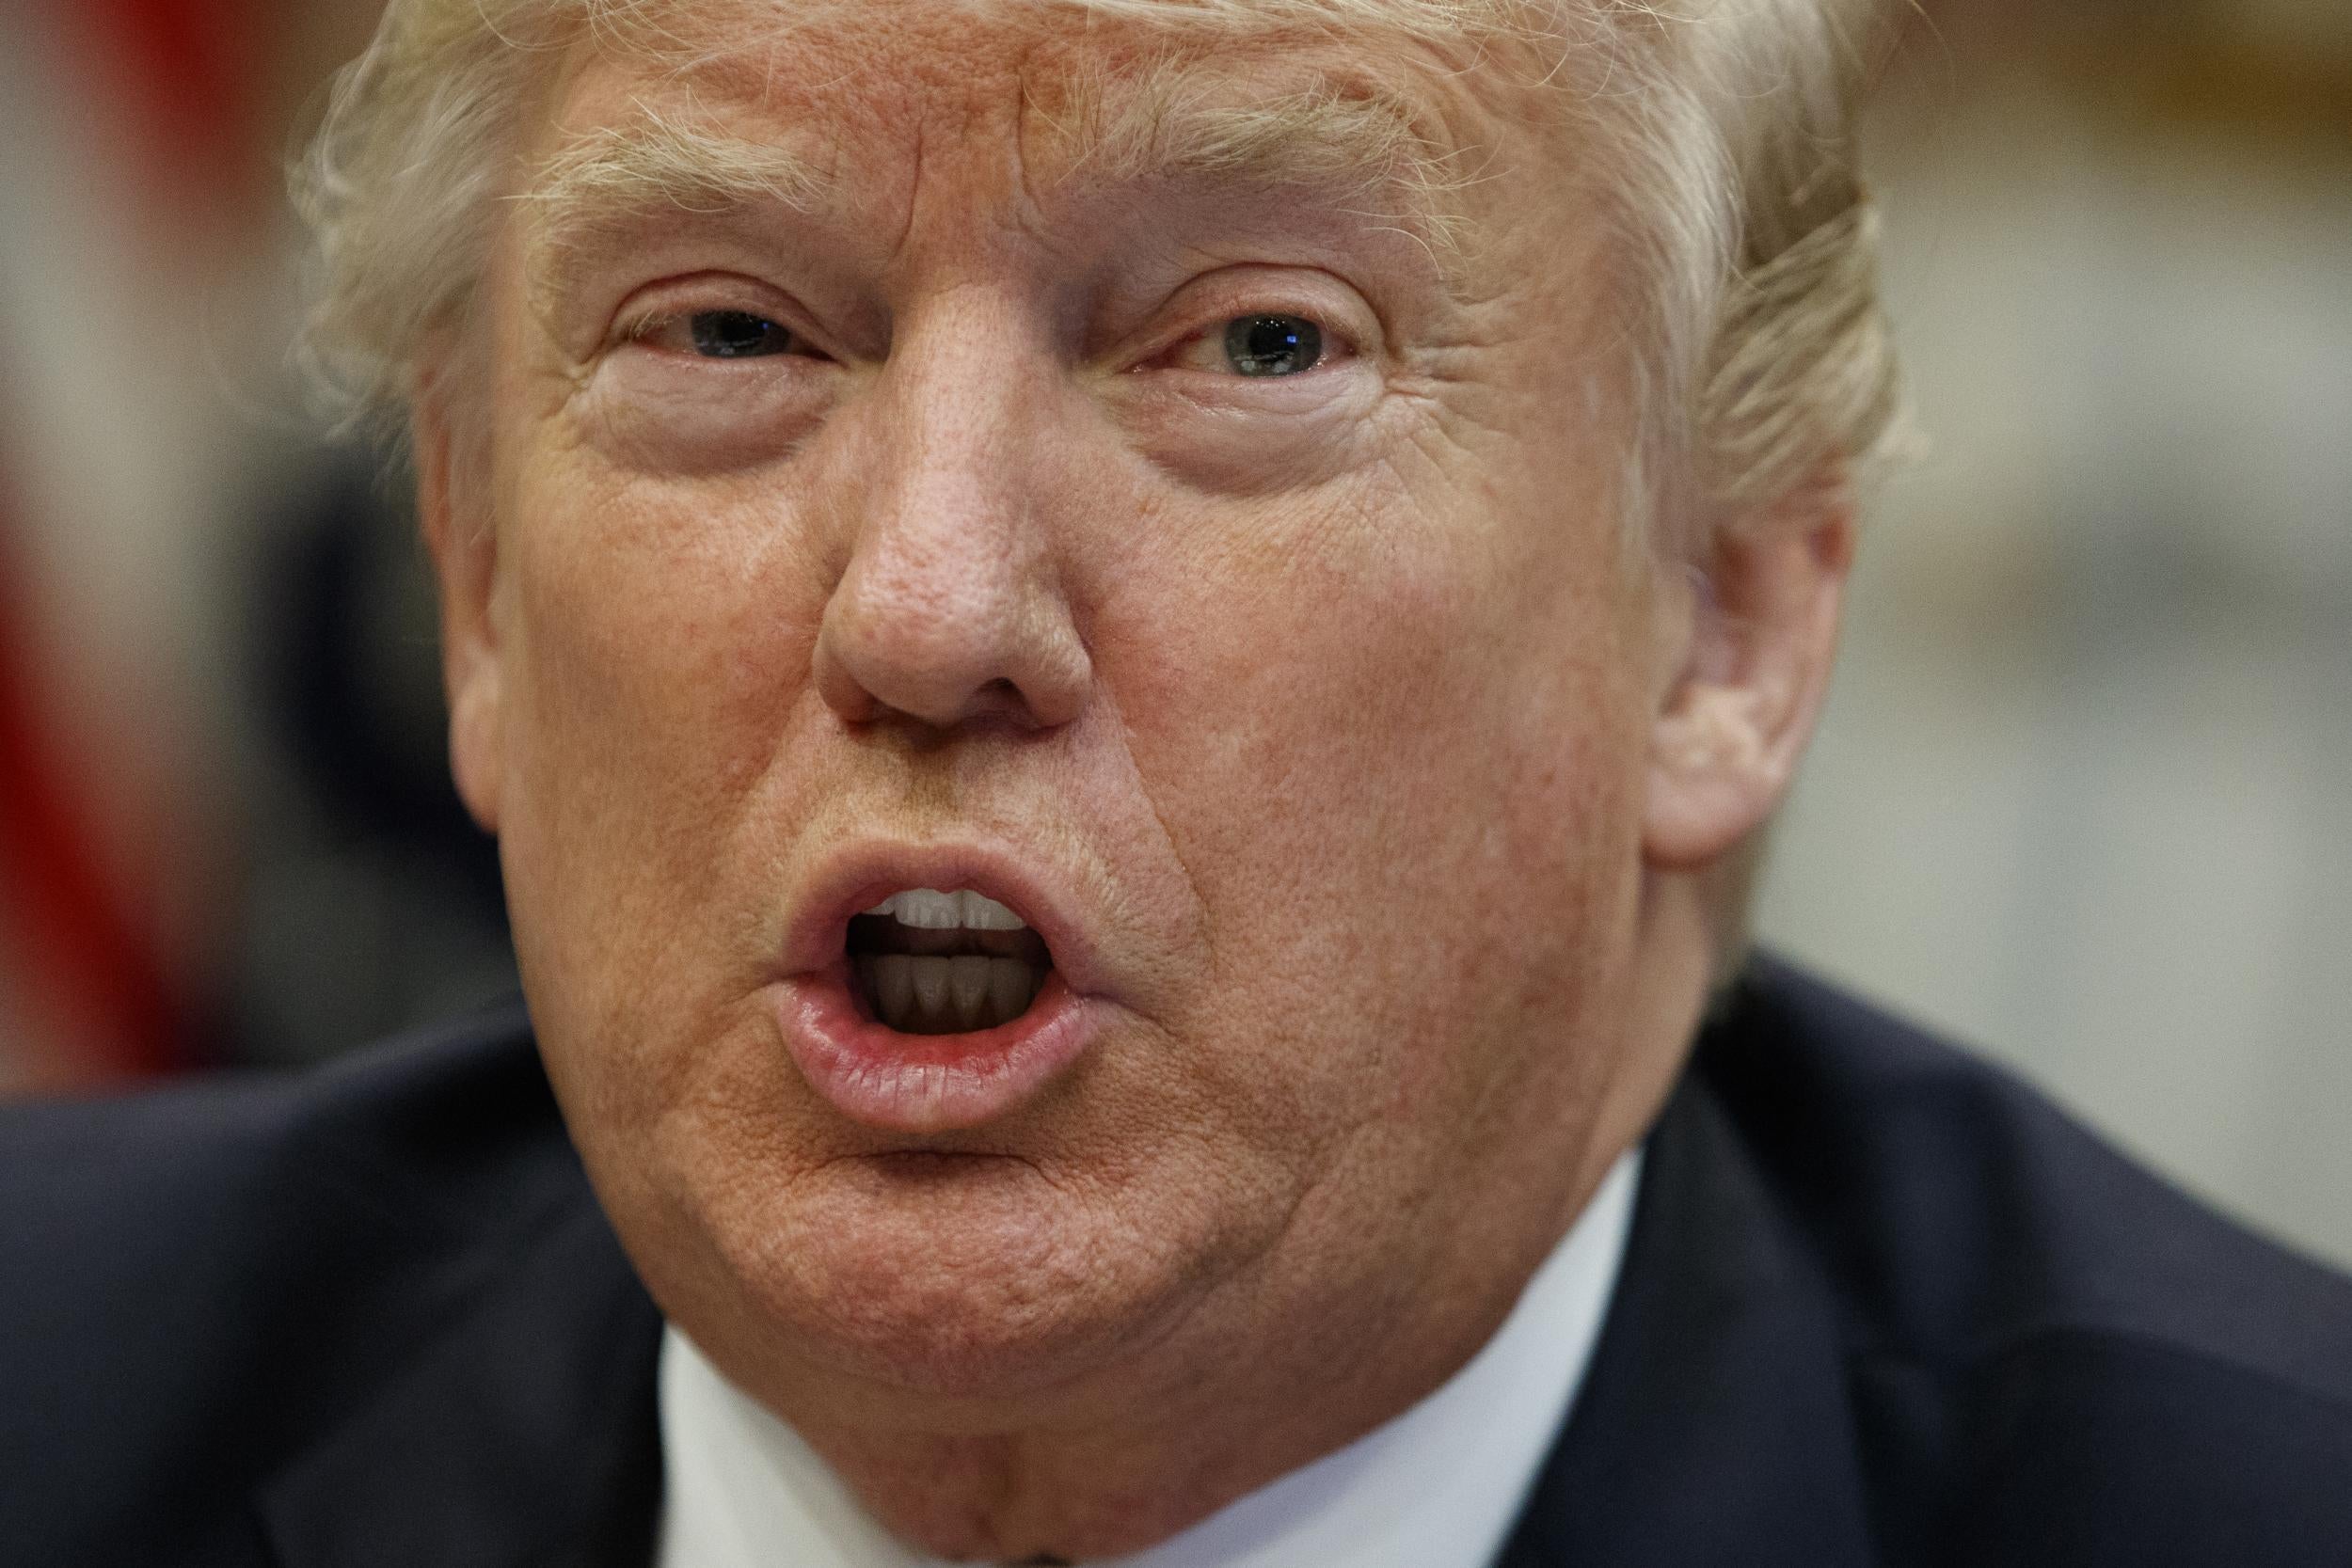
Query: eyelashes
722,334
1253,347
1261,342
1261,347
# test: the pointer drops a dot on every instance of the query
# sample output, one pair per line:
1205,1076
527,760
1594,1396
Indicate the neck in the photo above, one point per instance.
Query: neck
1439,1485
1083,1490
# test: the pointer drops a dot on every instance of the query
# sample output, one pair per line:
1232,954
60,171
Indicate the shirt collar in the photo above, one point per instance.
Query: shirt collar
1436,1488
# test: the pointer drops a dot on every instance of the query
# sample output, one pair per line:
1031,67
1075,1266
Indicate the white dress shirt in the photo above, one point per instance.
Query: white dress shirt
1438,1486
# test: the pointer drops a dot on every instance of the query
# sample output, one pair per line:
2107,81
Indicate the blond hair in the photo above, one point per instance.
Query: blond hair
1762,354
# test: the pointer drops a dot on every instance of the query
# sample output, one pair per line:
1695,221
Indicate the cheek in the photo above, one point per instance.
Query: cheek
653,615
1395,740
657,652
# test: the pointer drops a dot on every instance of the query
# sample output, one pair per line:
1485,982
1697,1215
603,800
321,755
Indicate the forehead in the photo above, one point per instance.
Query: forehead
1402,124
681,27
1391,93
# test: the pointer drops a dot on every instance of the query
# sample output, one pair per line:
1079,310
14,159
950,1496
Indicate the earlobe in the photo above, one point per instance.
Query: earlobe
1750,680
464,547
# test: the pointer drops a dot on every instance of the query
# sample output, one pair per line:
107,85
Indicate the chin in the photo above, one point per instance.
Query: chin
965,1277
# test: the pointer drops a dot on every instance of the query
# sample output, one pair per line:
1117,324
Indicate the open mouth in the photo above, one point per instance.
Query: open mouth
926,962
936,1011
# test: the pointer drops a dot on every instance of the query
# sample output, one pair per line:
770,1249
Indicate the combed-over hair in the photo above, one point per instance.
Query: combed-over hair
1762,357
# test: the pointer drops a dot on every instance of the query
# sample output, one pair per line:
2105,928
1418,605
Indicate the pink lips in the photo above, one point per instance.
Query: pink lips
927,1082
924,1083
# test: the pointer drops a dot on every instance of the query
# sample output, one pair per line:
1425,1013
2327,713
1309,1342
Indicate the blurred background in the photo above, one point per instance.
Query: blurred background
2083,796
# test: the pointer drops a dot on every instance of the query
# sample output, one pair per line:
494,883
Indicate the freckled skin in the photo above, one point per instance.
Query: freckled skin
1327,706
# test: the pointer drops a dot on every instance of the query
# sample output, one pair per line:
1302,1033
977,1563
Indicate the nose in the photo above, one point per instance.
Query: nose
950,610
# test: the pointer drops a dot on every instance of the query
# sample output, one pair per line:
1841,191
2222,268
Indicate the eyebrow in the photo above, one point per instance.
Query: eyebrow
1178,122
1183,122
617,175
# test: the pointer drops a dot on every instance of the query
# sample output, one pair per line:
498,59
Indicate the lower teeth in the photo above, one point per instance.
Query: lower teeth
918,995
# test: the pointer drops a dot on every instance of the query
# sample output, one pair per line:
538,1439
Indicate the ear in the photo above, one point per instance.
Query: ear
1748,680
453,511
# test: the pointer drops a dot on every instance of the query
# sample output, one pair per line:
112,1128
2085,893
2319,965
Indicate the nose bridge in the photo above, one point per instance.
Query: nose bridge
949,606
948,468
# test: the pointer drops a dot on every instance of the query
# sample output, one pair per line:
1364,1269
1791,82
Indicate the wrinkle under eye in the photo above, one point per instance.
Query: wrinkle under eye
1260,346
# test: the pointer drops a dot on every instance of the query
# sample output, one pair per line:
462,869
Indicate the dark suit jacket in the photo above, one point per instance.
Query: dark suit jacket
1882,1306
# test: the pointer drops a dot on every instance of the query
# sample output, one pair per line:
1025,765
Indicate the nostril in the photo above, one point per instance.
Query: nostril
896,640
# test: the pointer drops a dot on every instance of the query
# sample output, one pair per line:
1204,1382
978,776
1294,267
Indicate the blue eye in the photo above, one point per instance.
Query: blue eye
736,335
1272,345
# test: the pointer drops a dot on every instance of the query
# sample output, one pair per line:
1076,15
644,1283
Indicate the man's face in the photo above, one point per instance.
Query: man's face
1175,536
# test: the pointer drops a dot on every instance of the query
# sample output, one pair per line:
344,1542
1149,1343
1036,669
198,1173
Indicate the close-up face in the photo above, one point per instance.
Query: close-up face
937,450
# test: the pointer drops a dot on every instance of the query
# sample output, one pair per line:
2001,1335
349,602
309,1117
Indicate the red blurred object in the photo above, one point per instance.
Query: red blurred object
181,73
166,94
89,965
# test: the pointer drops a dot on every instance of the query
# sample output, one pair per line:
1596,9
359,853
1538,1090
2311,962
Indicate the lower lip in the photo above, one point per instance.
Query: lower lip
927,1082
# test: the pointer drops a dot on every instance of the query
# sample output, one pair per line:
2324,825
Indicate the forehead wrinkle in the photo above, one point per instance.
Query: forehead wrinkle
1245,112
1198,121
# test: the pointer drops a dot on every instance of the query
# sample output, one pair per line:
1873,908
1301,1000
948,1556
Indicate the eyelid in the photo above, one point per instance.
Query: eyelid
1338,348
673,301
1351,330
673,334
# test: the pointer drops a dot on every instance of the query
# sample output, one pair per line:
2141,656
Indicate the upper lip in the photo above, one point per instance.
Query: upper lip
857,878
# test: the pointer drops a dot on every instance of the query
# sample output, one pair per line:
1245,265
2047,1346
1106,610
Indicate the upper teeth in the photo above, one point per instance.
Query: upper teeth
928,910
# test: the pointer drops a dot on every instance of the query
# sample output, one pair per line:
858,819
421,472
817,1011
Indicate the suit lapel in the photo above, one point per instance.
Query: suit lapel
523,1431
1713,1426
